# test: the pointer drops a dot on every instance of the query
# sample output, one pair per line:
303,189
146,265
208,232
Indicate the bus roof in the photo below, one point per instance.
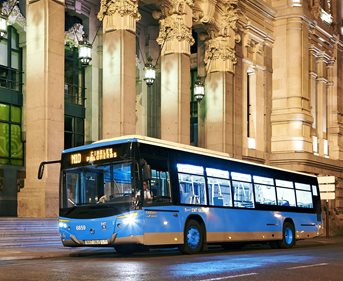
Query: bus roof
171,145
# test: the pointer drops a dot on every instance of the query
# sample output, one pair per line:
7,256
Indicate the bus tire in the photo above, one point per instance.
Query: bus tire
193,238
288,236
125,250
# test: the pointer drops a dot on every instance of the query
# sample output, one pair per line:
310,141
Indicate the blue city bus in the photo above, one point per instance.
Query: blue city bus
198,197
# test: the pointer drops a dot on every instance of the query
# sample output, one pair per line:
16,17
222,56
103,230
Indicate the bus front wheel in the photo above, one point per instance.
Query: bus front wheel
193,238
288,236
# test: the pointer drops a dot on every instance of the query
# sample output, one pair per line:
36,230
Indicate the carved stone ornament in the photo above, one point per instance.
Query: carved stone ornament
174,28
15,17
74,35
121,7
219,49
179,6
220,52
316,9
226,23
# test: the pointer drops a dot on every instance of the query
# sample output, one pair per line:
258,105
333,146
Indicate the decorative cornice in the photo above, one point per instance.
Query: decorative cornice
306,162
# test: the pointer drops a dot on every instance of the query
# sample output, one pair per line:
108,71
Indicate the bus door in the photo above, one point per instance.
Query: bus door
162,226
161,220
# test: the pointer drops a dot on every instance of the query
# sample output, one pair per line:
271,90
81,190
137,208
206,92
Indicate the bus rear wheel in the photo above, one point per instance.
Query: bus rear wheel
288,236
193,238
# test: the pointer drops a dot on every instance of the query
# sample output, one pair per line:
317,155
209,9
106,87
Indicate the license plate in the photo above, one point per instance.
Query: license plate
96,242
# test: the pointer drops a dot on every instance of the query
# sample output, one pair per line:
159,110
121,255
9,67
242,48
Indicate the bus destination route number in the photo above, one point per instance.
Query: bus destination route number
93,155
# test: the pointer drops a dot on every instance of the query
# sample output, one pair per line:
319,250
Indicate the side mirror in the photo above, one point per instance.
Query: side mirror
41,170
41,167
146,172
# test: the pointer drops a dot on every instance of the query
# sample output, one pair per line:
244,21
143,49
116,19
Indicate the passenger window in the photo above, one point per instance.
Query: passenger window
219,192
219,187
264,190
242,191
304,195
285,193
286,196
243,197
192,184
265,194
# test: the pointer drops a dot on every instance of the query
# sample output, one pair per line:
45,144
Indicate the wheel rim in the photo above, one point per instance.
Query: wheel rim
193,237
288,236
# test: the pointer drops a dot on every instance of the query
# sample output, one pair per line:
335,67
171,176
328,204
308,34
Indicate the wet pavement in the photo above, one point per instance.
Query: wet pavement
52,251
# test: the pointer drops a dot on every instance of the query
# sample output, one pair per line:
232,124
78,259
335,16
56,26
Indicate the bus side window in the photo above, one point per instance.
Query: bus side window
192,184
243,195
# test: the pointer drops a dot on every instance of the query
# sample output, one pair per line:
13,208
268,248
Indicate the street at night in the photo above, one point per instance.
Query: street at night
318,259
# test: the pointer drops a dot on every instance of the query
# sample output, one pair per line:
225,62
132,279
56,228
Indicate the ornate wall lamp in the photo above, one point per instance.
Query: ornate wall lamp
85,48
199,89
5,12
149,72
149,67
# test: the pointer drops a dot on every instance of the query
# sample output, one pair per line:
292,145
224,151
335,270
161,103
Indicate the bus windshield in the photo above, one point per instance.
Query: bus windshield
102,184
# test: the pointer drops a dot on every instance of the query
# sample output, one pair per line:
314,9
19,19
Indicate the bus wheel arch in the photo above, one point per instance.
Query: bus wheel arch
288,234
194,235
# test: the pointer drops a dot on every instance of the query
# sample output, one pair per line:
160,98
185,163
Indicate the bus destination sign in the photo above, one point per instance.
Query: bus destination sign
92,156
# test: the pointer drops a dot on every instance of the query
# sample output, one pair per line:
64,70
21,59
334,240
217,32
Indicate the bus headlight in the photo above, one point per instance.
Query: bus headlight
62,225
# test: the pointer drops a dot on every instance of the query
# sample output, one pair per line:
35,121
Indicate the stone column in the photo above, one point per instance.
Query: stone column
176,38
119,66
44,106
322,102
291,118
223,107
335,126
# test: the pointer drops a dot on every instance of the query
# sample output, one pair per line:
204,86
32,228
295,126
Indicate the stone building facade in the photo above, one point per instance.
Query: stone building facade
272,70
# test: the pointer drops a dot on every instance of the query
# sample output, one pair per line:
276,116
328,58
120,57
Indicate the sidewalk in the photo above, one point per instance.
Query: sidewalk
41,252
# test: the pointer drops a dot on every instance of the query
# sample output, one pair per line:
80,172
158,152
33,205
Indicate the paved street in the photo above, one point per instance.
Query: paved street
319,259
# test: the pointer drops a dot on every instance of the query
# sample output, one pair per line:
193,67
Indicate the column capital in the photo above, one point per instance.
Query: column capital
220,52
176,28
119,14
